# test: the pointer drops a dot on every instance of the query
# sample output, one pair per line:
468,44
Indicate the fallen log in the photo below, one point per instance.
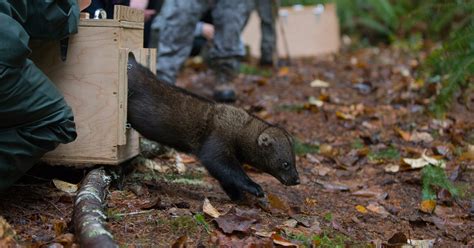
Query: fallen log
88,215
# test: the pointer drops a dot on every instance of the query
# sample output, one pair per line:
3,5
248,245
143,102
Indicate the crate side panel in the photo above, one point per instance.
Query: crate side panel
88,80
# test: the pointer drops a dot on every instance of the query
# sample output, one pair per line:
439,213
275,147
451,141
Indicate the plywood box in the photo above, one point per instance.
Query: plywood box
93,80
309,31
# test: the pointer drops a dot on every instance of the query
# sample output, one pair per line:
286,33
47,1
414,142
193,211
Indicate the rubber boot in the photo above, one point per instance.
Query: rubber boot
226,72
224,90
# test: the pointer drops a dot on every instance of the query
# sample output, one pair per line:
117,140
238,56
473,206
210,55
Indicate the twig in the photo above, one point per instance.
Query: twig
134,213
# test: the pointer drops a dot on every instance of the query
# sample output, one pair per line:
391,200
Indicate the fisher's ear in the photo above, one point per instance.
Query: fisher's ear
131,58
264,139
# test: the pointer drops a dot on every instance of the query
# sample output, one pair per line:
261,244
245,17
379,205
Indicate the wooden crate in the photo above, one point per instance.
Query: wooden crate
310,31
93,80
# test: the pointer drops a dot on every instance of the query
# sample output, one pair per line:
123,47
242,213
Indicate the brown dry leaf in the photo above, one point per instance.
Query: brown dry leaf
326,150
180,242
210,210
469,154
279,240
7,234
361,209
375,192
277,203
264,234
398,238
377,208
59,226
421,137
66,239
427,206
406,136
65,186
310,202
283,71
333,186
154,203
186,159
235,221
319,84
344,116
290,223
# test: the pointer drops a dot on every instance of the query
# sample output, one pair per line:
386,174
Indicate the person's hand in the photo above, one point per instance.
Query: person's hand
208,31
149,13
138,4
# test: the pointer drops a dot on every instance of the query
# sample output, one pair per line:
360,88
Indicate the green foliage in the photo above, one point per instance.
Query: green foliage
324,240
357,144
328,217
304,148
252,70
199,218
184,224
432,175
389,153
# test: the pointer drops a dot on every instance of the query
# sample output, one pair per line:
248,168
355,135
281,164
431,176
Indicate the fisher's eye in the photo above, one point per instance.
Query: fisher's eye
286,165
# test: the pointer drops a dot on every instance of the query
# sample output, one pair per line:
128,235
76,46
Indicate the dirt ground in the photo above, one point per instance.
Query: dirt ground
355,118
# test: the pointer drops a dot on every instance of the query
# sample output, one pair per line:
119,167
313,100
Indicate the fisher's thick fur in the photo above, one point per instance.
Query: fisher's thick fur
223,137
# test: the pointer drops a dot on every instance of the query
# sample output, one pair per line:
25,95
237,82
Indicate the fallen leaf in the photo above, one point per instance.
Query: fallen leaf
421,137
180,242
469,154
406,136
279,240
374,192
66,239
377,208
316,102
59,226
154,203
398,238
392,168
344,116
290,223
426,243
7,234
427,206
65,186
326,150
208,209
332,186
319,84
283,71
423,161
264,234
231,222
277,203
361,209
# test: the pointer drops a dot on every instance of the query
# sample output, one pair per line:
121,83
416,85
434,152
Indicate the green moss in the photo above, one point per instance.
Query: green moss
390,153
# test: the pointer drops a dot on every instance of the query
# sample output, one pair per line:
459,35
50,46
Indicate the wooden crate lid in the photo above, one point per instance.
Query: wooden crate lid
124,17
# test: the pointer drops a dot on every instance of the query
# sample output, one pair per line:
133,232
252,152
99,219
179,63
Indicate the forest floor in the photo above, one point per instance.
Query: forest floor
357,118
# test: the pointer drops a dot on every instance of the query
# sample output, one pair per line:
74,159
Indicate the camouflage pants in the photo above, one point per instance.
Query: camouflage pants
176,23
267,11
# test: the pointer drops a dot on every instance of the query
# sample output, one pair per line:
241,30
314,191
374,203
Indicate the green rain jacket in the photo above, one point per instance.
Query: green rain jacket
34,118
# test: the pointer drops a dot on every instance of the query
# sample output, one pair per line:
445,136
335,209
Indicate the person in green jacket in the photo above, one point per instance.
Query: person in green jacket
34,117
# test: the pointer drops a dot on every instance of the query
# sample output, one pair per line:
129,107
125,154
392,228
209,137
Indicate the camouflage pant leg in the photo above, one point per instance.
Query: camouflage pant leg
229,18
175,26
267,10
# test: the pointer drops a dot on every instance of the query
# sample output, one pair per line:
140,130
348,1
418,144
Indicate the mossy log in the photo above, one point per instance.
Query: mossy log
89,217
